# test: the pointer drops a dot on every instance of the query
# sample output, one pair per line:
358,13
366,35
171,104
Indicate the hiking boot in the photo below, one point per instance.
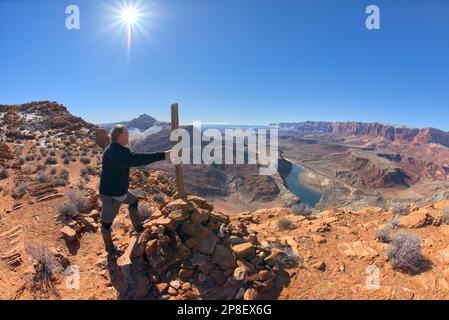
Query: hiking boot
109,245
135,220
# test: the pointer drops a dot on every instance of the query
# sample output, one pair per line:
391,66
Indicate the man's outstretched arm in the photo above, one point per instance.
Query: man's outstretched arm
142,159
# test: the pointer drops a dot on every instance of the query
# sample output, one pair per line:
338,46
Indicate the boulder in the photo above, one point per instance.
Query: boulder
275,257
244,250
251,294
69,234
264,275
151,247
196,230
245,264
200,202
94,214
166,222
358,249
223,257
417,219
199,216
178,215
198,259
240,274
178,205
88,222
185,273
161,287
206,245
218,217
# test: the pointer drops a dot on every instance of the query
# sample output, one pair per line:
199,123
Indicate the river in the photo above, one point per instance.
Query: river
304,193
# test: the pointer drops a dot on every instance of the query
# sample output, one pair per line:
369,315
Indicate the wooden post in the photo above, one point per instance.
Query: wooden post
178,169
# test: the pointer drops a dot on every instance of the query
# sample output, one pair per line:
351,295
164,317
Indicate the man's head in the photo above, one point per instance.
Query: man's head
119,134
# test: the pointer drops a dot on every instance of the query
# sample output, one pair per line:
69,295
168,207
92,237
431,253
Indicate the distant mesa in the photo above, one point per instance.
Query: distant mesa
390,133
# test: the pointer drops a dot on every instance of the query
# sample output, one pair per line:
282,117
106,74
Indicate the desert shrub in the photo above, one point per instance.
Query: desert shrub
399,208
145,211
21,160
30,157
64,154
85,160
52,153
4,174
60,182
383,235
64,174
41,167
47,268
80,185
67,160
67,209
51,160
53,170
88,170
26,169
20,190
404,252
43,177
19,150
284,223
77,199
301,209
287,256
159,198
43,152
394,223
445,216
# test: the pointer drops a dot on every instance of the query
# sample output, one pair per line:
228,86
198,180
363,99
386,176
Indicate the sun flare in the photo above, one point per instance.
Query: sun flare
133,19
129,16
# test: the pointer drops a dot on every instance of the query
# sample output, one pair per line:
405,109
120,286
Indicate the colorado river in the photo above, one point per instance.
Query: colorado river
305,194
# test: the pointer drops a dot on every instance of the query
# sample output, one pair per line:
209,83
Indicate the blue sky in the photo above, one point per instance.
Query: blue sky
233,61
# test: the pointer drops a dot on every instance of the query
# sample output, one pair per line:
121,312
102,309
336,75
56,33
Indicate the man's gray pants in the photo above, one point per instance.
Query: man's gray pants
111,208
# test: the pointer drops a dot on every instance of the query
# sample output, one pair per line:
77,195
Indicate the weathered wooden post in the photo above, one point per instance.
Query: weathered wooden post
178,169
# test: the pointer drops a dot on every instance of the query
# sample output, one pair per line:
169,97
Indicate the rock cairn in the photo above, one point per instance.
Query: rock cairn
190,251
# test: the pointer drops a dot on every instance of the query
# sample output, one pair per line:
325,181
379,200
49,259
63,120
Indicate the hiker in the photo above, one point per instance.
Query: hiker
114,182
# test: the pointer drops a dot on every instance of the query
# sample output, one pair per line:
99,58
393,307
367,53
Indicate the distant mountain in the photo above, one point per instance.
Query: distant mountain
143,122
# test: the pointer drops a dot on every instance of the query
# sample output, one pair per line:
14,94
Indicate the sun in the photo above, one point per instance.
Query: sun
129,15
133,19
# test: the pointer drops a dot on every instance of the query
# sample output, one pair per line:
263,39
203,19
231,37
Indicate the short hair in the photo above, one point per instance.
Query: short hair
116,131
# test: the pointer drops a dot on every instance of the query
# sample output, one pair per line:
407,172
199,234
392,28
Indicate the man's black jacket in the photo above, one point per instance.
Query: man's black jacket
116,162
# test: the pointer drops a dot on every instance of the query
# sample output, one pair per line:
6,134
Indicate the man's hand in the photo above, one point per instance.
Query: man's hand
167,154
